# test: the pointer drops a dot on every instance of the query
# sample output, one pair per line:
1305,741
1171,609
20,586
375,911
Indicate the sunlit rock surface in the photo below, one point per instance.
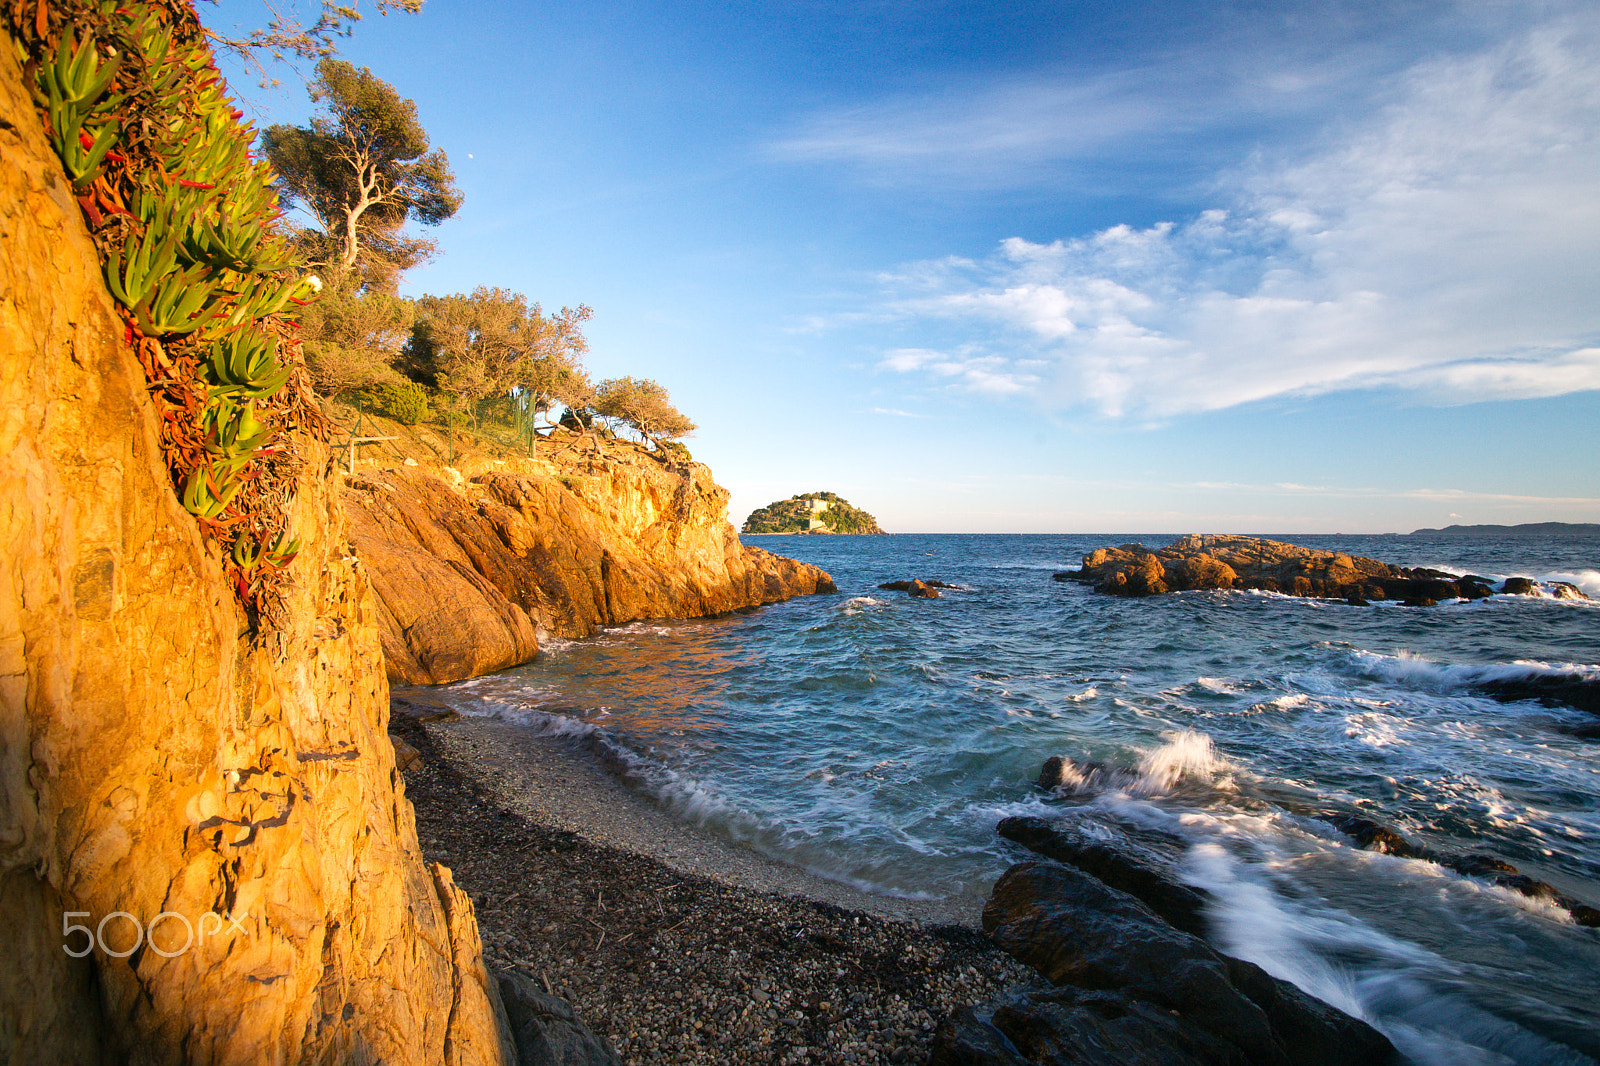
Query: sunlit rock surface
156,761
467,575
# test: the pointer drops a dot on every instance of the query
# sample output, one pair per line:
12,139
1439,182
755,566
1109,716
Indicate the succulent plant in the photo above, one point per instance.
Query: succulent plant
233,433
244,363
72,88
209,491
147,134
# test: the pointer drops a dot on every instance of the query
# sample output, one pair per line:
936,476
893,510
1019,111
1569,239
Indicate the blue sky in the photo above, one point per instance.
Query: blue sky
1051,267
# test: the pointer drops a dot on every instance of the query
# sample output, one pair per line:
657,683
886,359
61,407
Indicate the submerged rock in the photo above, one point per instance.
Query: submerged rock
1374,836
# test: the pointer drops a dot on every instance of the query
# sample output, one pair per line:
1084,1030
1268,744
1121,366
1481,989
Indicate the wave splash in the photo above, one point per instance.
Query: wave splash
1186,762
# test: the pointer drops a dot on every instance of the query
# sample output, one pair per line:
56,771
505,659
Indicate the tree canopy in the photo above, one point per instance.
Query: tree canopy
795,515
363,169
475,346
351,338
643,406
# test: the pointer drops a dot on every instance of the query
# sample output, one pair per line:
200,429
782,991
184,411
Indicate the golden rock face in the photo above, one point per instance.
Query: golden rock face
205,852
466,575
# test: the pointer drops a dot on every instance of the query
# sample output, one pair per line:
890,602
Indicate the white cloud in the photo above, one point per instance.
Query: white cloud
1446,244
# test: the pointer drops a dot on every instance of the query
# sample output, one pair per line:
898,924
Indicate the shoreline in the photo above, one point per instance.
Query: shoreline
675,945
556,781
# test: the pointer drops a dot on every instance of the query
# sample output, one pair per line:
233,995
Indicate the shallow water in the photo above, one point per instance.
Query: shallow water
877,739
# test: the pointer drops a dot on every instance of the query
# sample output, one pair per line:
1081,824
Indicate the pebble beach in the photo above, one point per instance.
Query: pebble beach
675,946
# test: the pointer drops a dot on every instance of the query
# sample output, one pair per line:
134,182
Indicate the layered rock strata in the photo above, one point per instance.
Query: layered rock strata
1231,562
468,574
206,855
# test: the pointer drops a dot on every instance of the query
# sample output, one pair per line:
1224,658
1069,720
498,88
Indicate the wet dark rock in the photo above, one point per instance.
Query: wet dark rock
546,1030
969,1038
1063,575
1374,836
1140,862
1355,600
1144,991
1520,586
1419,601
1566,590
1481,866
1058,771
1571,689
1071,1027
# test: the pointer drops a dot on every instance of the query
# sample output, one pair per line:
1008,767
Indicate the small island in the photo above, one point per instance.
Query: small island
810,512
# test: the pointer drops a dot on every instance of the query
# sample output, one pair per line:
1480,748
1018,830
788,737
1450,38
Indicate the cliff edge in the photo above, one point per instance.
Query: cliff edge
471,563
206,855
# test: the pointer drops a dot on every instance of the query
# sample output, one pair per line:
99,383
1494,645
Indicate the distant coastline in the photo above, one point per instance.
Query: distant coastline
1527,529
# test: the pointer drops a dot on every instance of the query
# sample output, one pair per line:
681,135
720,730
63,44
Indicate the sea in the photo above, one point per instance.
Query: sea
877,739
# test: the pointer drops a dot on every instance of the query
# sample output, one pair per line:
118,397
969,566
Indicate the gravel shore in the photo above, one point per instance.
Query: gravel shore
677,947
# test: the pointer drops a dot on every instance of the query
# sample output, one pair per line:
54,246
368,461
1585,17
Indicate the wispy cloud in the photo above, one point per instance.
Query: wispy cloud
1445,244
1234,73
994,375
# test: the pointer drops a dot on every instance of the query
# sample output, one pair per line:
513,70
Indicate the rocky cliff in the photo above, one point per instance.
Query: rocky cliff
206,855
470,568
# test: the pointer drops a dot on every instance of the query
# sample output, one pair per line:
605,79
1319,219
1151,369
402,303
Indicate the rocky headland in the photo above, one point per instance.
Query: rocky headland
470,563
1203,561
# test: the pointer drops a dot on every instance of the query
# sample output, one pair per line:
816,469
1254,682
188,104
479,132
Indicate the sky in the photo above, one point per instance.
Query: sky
1151,266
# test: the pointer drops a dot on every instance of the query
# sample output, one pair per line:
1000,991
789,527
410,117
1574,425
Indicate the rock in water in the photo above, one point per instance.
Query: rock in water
1140,862
1373,836
1230,562
1136,989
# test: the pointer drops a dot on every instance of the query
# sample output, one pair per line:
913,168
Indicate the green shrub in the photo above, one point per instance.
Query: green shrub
405,402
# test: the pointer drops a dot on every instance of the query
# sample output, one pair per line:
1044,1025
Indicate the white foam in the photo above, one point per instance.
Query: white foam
1184,755
1401,988
1186,758
1419,671
1587,580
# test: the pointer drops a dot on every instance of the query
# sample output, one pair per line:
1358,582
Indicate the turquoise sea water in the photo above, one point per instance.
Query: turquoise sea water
877,739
